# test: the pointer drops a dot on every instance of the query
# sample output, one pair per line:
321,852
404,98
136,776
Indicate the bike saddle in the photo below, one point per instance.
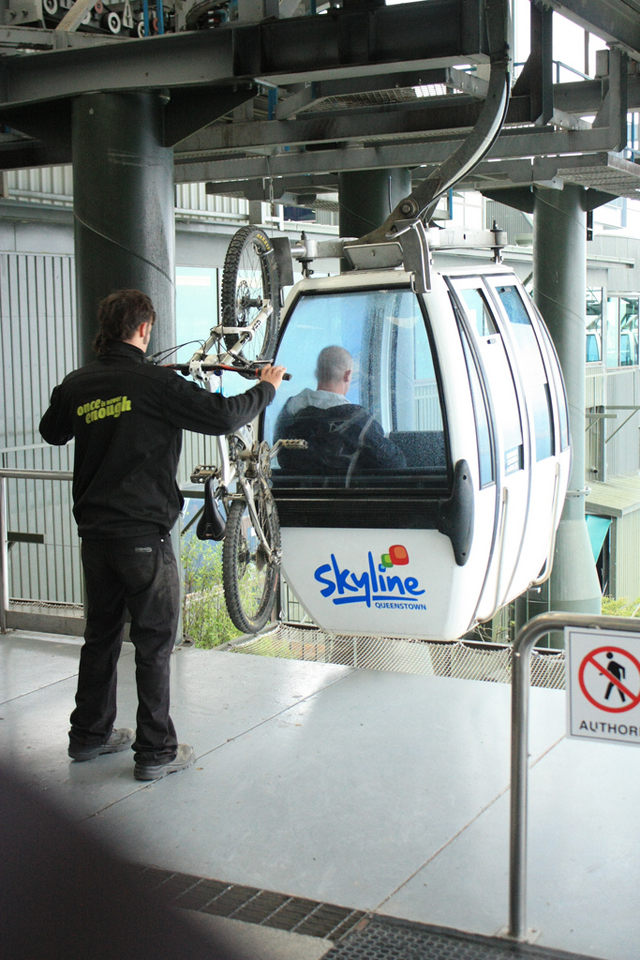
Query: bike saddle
212,525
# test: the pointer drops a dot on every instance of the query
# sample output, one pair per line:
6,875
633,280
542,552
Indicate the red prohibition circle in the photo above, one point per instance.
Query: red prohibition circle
633,702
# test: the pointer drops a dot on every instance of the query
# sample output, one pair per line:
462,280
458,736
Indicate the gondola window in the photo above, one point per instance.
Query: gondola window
532,369
364,395
505,407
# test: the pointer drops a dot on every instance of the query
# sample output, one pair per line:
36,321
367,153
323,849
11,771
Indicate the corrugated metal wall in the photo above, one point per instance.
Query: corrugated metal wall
41,185
595,427
627,556
192,197
623,449
55,185
516,223
37,339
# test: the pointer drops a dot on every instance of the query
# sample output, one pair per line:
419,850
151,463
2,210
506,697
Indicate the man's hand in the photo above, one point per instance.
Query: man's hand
272,375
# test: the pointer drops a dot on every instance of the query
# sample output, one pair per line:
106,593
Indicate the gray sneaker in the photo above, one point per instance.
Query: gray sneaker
184,757
119,740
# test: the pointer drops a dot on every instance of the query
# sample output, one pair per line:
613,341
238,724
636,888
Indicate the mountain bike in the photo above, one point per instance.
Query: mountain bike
242,343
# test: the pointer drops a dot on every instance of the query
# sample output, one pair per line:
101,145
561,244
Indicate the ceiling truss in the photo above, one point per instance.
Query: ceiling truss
277,109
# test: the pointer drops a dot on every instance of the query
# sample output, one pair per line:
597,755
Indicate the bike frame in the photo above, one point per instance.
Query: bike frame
232,467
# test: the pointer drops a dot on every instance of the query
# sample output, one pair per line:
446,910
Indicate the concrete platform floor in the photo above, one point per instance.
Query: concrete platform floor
383,792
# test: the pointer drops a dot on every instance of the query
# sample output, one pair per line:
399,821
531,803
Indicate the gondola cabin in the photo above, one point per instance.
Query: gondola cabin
437,455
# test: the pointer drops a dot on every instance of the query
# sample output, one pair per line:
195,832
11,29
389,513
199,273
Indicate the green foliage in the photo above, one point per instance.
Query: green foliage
205,617
621,607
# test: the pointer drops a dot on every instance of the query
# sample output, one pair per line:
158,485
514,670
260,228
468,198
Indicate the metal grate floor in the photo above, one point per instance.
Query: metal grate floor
384,938
252,905
355,935
464,659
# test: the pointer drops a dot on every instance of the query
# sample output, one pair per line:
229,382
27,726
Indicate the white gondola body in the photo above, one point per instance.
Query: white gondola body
471,361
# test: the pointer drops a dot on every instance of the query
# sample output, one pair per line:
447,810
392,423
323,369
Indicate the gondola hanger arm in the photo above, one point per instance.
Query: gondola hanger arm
421,202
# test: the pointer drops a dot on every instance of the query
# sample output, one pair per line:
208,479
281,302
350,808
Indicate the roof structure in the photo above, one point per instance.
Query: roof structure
277,108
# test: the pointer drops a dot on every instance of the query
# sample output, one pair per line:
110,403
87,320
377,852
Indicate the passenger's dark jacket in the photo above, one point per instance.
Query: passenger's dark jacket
341,439
127,416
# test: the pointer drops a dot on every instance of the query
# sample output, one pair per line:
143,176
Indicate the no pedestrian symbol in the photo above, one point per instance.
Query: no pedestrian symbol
603,685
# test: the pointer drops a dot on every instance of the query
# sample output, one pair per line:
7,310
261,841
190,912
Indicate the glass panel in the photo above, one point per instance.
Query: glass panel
612,332
364,394
196,308
485,458
478,312
531,368
500,377
628,331
594,324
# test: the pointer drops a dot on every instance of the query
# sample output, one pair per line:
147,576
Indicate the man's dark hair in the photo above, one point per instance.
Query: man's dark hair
119,316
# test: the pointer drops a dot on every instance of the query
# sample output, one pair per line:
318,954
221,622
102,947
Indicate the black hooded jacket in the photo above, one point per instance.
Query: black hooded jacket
127,417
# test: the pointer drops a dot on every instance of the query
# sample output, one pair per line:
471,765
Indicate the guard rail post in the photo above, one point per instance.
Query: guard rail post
520,683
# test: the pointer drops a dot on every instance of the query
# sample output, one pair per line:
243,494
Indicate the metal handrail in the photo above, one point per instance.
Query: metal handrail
520,683
11,473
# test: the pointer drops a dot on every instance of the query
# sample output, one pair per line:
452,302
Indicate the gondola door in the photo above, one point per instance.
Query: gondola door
510,430
541,380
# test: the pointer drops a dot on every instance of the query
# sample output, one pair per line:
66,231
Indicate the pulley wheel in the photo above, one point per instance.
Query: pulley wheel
113,22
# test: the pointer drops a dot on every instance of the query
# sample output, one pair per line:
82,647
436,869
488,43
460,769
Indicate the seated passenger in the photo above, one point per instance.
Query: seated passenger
341,436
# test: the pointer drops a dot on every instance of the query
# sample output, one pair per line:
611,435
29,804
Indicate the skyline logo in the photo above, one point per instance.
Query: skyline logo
373,587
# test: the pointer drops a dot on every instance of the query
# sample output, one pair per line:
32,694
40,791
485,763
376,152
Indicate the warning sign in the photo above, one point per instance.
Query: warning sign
603,685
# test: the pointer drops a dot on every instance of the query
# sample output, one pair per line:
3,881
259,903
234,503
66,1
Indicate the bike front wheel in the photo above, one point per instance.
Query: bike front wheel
250,580
249,277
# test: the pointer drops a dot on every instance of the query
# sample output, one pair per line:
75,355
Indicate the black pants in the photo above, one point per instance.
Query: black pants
139,575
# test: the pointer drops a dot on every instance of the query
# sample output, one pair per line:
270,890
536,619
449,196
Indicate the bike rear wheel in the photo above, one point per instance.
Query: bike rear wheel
250,580
249,277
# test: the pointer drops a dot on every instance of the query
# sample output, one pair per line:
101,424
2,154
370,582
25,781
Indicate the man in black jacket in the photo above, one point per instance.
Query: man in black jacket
127,417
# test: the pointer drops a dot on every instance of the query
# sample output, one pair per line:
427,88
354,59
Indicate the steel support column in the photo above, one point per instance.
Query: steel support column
367,197
559,278
123,208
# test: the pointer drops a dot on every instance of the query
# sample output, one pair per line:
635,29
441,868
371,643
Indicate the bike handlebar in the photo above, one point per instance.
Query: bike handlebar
249,372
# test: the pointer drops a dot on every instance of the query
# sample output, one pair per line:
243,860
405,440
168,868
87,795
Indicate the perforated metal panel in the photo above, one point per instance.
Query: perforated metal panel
460,658
384,938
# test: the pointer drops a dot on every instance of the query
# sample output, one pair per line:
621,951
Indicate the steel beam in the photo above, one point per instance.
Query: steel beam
433,33
425,115
189,110
361,125
511,144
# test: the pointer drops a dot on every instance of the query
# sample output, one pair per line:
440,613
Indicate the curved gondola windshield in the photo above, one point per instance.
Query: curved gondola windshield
364,394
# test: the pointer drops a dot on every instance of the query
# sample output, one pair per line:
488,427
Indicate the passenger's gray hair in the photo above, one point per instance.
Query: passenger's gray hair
333,363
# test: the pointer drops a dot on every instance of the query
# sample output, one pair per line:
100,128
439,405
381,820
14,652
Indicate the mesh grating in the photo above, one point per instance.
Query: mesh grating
252,905
70,609
384,938
463,659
